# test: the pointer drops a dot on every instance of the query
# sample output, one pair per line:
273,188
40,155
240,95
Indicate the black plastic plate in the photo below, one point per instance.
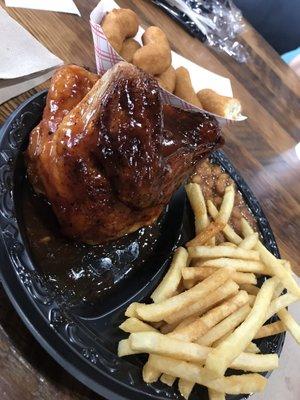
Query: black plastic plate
83,337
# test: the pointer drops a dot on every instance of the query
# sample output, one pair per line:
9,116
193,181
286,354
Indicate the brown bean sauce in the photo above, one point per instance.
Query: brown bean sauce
213,181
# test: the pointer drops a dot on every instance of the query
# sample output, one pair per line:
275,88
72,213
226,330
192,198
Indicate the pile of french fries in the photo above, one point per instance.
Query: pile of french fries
207,309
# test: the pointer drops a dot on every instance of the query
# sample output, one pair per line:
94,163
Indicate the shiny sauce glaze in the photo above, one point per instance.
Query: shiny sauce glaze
116,158
76,270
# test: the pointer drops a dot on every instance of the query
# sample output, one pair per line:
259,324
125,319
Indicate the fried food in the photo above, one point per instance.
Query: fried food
200,335
269,330
252,348
220,222
150,373
225,326
118,25
275,266
207,234
198,205
129,47
222,251
214,395
290,324
204,304
133,324
131,310
222,356
164,345
200,273
279,303
184,88
250,289
159,311
201,325
238,265
185,387
213,102
167,79
228,230
155,56
171,280
249,242
235,384
167,379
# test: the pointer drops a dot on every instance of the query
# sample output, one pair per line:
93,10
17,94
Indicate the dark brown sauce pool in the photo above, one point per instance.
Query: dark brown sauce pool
79,271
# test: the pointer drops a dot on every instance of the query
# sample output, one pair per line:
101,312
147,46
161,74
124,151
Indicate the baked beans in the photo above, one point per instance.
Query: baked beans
213,181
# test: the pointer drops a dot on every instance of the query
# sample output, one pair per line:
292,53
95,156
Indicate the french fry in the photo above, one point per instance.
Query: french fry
252,299
222,251
159,311
157,344
165,345
131,310
277,269
167,379
196,199
230,244
239,265
290,324
250,289
217,342
187,321
167,328
211,242
133,324
157,325
206,234
278,291
222,356
172,326
124,348
189,283
252,348
203,324
252,362
227,205
185,388
219,224
208,313
235,384
287,265
279,303
269,330
150,373
198,308
170,282
274,265
249,242
204,272
213,395
225,326
228,231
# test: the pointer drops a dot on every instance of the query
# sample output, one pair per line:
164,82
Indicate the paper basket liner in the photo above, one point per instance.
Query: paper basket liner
107,57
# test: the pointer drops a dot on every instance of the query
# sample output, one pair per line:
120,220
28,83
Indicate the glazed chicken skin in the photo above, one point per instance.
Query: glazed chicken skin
69,85
109,157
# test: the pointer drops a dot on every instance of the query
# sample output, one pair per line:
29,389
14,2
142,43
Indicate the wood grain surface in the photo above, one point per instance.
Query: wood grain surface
262,148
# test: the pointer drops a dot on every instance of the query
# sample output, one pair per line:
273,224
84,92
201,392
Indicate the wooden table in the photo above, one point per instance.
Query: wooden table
262,148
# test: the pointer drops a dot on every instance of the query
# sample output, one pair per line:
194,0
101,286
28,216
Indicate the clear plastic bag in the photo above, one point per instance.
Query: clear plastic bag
219,21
